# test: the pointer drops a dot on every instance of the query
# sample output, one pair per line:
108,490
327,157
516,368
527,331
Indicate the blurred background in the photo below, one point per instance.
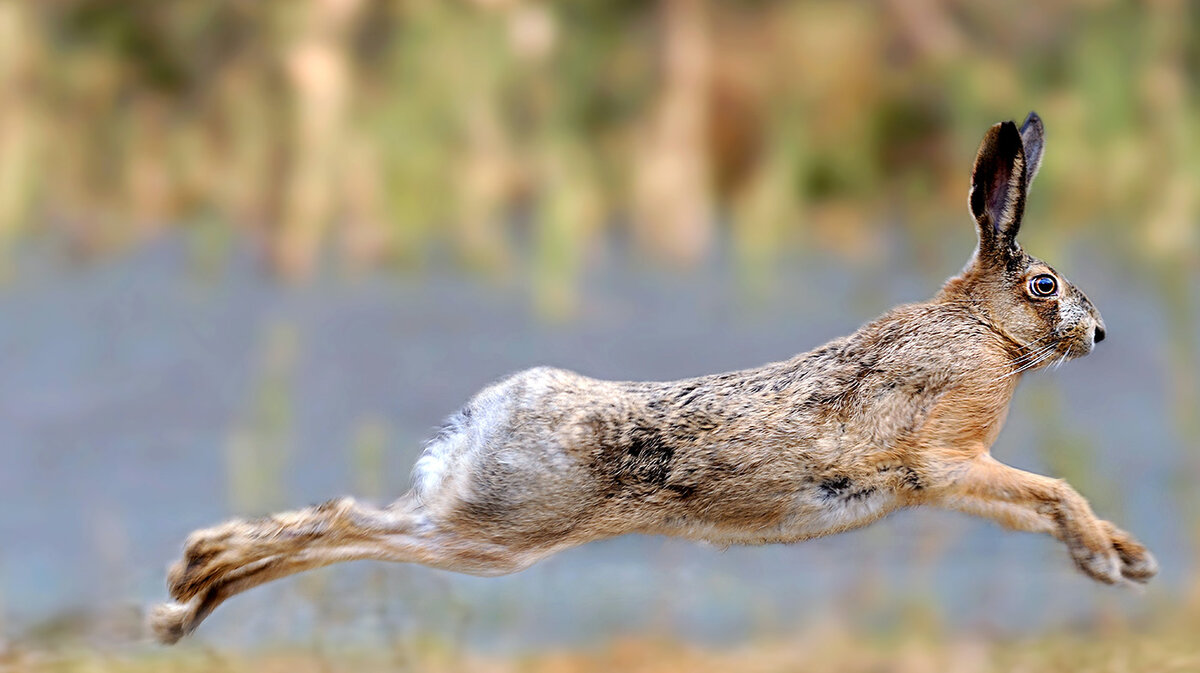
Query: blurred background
251,253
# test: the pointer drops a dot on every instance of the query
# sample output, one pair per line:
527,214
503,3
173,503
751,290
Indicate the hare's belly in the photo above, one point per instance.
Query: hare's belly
832,510
810,514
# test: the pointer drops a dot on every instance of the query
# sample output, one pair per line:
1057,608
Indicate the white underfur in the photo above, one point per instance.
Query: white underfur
812,516
455,447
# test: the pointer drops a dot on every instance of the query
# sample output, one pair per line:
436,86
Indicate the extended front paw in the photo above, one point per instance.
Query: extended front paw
1137,563
1102,565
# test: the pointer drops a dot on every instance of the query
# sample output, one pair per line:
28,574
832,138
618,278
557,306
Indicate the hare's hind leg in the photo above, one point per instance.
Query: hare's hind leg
225,560
212,553
1031,502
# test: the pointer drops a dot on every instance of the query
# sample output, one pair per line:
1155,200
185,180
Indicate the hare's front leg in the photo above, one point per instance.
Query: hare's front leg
1025,501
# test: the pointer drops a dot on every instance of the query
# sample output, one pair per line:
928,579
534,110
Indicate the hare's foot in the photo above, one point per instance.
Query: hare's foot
1095,556
208,555
1111,555
170,621
212,553
1137,563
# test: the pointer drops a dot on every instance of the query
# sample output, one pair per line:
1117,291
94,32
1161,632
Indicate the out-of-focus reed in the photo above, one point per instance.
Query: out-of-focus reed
375,131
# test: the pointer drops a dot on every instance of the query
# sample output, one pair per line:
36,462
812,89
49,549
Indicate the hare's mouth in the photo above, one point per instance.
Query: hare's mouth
1082,341
1082,346
1075,345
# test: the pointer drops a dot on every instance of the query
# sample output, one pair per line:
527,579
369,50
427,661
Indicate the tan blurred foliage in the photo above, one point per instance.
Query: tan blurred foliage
1168,647
376,129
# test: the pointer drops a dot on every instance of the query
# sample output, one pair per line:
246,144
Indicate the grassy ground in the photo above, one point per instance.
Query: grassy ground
1170,644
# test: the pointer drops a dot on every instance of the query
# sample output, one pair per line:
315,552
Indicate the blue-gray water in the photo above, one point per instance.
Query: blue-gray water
123,384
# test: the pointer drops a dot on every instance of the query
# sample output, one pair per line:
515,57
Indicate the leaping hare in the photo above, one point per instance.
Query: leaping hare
900,413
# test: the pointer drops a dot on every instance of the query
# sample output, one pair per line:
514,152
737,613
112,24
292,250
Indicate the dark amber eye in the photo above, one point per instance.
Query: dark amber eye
1043,285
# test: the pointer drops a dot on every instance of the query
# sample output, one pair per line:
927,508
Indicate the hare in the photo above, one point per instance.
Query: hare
900,413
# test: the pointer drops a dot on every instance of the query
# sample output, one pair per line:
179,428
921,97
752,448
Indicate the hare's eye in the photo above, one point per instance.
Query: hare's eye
1043,285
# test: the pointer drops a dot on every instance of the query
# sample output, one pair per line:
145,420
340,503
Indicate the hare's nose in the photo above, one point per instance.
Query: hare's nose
1099,336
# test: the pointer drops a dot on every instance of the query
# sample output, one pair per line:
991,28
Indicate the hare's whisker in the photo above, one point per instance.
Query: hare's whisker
1063,358
1045,354
1032,356
1030,346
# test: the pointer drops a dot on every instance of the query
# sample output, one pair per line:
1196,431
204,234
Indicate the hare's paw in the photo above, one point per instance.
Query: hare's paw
1137,563
1117,557
1101,565
208,554
212,553
169,622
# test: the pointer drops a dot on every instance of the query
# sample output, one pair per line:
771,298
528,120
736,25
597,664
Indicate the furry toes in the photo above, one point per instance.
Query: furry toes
1104,567
1121,559
169,622
212,553
1140,567
1137,563
206,557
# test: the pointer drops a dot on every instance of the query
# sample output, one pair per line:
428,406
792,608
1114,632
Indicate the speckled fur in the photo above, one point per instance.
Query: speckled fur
900,413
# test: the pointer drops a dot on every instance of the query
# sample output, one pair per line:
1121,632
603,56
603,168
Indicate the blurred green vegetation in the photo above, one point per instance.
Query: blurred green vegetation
1167,646
372,131
257,452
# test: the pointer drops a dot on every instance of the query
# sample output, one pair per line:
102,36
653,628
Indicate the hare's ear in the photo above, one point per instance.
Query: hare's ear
998,184
1033,140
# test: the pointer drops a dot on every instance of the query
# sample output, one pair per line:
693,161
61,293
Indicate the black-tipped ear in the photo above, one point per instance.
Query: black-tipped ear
998,188
1033,139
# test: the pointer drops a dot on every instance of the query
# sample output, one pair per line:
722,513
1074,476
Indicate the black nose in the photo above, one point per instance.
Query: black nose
1099,334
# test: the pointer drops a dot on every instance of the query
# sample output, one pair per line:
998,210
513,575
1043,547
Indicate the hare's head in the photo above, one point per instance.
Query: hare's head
1025,300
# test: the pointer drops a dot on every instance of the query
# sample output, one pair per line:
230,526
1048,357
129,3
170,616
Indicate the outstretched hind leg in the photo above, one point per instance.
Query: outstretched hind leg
225,560
172,621
210,554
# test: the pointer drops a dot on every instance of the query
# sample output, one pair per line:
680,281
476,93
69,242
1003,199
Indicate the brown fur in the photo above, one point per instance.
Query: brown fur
900,413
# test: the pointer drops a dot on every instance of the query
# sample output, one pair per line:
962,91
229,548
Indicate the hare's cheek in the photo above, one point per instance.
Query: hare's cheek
1045,315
